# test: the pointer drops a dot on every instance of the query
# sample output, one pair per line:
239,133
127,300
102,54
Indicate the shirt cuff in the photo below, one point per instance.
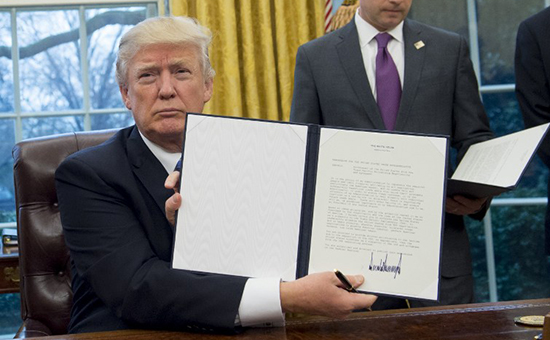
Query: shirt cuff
261,303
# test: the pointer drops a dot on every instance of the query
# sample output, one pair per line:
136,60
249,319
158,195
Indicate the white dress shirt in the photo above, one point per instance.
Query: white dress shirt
260,303
369,49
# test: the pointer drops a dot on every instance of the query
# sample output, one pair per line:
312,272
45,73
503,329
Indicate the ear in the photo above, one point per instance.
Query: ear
208,90
125,98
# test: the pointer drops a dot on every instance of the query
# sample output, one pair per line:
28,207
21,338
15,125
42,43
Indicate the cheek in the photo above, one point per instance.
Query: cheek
192,95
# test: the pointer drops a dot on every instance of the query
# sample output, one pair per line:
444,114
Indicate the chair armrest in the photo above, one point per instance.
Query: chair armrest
32,329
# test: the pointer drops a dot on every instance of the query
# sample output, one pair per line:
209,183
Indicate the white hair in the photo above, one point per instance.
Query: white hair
180,31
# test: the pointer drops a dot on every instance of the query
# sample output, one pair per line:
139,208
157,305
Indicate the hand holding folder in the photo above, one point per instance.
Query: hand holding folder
275,199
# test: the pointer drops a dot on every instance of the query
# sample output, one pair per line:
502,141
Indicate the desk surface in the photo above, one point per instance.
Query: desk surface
475,321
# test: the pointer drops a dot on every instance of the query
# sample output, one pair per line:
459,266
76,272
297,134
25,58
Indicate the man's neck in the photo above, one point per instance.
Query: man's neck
167,158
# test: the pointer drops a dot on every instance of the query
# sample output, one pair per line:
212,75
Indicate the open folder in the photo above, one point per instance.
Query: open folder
275,199
495,166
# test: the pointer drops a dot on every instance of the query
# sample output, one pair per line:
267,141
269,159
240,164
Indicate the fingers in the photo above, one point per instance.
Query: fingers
358,300
320,294
171,206
355,280
365,301
173,203
460,205
172,181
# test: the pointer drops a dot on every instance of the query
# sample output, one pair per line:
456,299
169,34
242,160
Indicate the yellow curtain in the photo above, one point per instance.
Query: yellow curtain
253,51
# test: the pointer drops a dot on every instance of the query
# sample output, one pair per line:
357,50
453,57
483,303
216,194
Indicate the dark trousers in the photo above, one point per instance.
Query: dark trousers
452,291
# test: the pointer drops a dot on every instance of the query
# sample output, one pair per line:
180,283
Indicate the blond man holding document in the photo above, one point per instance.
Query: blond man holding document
113,203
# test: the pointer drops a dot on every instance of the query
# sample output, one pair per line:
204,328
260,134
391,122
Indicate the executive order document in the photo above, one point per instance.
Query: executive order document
379,210
275,199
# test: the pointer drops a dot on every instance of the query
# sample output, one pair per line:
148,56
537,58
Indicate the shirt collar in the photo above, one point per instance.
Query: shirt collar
167,159
367,32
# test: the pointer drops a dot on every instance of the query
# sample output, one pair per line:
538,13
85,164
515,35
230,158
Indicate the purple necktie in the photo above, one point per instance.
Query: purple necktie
388,86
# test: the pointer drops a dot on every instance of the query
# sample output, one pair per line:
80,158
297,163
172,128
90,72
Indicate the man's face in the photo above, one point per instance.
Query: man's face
384,15
163,83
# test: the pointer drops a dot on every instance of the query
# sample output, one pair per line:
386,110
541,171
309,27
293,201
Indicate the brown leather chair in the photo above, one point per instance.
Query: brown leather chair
46,295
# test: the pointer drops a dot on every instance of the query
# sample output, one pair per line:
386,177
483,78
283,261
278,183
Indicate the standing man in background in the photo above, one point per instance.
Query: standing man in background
383,71
532,65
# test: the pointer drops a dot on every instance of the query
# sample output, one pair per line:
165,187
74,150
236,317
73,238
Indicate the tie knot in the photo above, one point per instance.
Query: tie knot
178,166
383,39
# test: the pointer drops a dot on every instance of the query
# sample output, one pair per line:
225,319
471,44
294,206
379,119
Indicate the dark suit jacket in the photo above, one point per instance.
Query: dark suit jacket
532,66
440,96
111,199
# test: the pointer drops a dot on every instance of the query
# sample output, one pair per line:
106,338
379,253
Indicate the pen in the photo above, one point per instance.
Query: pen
347,285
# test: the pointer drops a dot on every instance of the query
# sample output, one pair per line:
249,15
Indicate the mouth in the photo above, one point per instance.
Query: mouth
170,111
397,9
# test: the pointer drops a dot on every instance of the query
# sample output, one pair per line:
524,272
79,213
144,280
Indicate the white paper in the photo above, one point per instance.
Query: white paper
242,196
500,161
378,210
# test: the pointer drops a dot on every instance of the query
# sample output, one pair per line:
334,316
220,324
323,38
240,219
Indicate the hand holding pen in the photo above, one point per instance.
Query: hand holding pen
323,294
347,285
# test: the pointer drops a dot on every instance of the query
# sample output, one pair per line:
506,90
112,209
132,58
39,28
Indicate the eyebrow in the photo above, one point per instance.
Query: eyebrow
145,67
151,66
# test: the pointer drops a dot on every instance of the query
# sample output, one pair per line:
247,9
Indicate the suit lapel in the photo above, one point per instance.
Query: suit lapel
148,169
414,62
351,59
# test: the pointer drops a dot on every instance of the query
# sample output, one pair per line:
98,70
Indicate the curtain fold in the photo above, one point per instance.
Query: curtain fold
253,51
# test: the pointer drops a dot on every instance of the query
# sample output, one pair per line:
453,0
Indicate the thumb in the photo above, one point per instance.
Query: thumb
171,206
356,280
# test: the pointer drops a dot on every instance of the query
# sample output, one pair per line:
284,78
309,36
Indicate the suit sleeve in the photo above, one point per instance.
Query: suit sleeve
470,122
112,251
305,99
532,88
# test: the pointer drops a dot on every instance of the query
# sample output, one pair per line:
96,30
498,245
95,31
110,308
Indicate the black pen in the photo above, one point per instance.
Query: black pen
347,285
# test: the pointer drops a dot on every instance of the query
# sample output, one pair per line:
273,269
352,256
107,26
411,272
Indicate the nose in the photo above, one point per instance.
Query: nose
166,89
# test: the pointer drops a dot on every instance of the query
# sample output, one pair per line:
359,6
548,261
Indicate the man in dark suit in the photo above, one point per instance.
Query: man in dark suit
114,206
532,65
336,83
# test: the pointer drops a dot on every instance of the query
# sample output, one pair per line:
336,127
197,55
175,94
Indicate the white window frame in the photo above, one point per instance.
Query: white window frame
12,6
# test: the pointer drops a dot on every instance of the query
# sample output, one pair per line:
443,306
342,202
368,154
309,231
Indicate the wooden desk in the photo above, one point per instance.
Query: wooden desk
9,271
476,321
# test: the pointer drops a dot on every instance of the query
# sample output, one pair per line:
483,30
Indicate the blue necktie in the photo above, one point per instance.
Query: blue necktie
388,86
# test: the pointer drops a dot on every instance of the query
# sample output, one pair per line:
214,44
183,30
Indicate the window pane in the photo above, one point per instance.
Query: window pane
10,314
6,66
521,266
479,259
38,127
108,121
49,50
498,23
451,15
7,197
102,48
503,112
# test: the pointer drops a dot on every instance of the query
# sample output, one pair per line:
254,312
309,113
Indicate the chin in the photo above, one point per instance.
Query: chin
172,131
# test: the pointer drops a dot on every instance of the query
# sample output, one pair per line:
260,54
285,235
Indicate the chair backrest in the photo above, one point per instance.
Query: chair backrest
46,295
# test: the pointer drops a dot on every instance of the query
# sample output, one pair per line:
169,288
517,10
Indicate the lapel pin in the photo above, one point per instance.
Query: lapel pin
419,44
